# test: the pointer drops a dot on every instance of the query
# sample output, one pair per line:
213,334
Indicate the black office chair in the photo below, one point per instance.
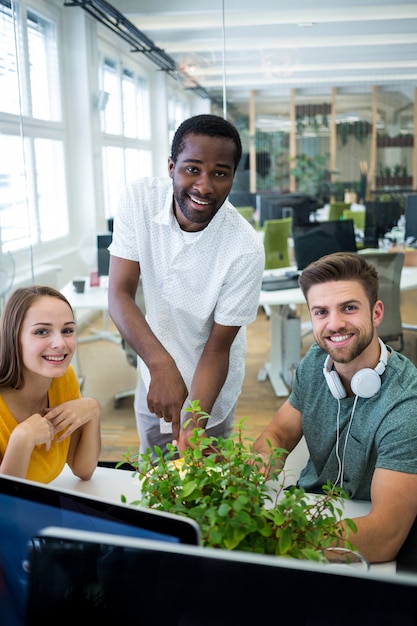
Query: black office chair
389,266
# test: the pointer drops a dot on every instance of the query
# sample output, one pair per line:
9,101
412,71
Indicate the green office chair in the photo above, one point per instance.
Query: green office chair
246,212
276,234
358,218
336,210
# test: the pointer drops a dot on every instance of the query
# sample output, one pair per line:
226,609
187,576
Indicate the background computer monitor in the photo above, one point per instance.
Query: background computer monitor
411,218
103,255
380,218
314,240
242,198
278,206
115,579
270,207
27,507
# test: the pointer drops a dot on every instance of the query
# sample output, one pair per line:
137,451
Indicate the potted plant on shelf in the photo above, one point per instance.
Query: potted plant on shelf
221,485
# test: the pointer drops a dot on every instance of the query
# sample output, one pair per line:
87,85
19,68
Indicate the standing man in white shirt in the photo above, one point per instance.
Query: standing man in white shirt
201,267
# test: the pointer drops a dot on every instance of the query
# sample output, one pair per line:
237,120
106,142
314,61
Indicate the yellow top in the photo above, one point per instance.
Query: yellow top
44,465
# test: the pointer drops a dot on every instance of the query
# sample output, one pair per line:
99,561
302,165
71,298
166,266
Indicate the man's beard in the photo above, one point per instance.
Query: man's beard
348,353
193,216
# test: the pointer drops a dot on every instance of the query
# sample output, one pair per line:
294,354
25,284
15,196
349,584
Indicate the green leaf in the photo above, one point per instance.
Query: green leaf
187,489
284,541
224,510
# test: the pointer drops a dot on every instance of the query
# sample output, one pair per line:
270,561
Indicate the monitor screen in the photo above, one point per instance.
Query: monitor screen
26,507
111,580
314,240
411,219
242,198
103,255
278,206
380,218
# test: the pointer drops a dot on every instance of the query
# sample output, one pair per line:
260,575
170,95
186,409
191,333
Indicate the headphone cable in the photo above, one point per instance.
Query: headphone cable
341,462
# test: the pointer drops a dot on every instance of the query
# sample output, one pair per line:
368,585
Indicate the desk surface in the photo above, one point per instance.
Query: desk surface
92,298
109,484
106,483
97,297
284,297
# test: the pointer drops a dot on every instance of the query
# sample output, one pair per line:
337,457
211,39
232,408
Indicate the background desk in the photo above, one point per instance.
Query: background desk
93,299
286,328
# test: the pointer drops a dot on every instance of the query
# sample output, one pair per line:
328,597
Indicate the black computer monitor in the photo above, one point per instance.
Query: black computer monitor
411,219
242,198
380,218
269,207
103,255
111,580
314,240
278,206
27,507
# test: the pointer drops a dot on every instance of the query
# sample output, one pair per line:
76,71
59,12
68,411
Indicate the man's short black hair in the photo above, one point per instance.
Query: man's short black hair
206,124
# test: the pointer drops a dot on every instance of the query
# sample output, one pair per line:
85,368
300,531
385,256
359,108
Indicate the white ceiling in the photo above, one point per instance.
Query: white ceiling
233,47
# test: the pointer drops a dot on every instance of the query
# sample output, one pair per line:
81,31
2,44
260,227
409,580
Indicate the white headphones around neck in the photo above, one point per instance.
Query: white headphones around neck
365,383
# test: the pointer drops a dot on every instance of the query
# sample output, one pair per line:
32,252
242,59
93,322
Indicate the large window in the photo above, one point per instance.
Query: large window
178,111
125,124
33,206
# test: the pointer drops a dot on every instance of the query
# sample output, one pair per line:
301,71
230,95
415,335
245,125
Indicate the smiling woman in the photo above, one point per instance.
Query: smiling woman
44,421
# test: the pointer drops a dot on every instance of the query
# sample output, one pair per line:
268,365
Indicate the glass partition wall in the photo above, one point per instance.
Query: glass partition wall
362,142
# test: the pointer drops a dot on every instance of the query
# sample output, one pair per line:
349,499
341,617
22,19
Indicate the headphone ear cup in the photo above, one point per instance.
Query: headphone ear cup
335,385
366,383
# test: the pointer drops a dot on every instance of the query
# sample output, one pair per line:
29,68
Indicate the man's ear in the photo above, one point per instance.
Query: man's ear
171,166
378,313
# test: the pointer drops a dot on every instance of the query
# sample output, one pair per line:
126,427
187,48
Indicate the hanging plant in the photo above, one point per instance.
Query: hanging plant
315,122
359,129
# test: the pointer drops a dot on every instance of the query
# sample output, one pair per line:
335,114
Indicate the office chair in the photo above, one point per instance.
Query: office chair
389,267
358,218
276,234
336,210
247,212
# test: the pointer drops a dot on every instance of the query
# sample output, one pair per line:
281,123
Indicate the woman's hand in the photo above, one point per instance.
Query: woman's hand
36,430
69,416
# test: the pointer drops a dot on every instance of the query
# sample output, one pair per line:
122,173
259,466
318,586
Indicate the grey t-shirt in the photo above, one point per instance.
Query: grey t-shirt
382,433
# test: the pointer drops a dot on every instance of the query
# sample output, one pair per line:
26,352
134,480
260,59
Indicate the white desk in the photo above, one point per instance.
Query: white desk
106,483
109,484
95,299
285,327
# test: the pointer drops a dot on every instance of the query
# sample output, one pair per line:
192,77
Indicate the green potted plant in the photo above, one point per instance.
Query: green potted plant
220,485
313,176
